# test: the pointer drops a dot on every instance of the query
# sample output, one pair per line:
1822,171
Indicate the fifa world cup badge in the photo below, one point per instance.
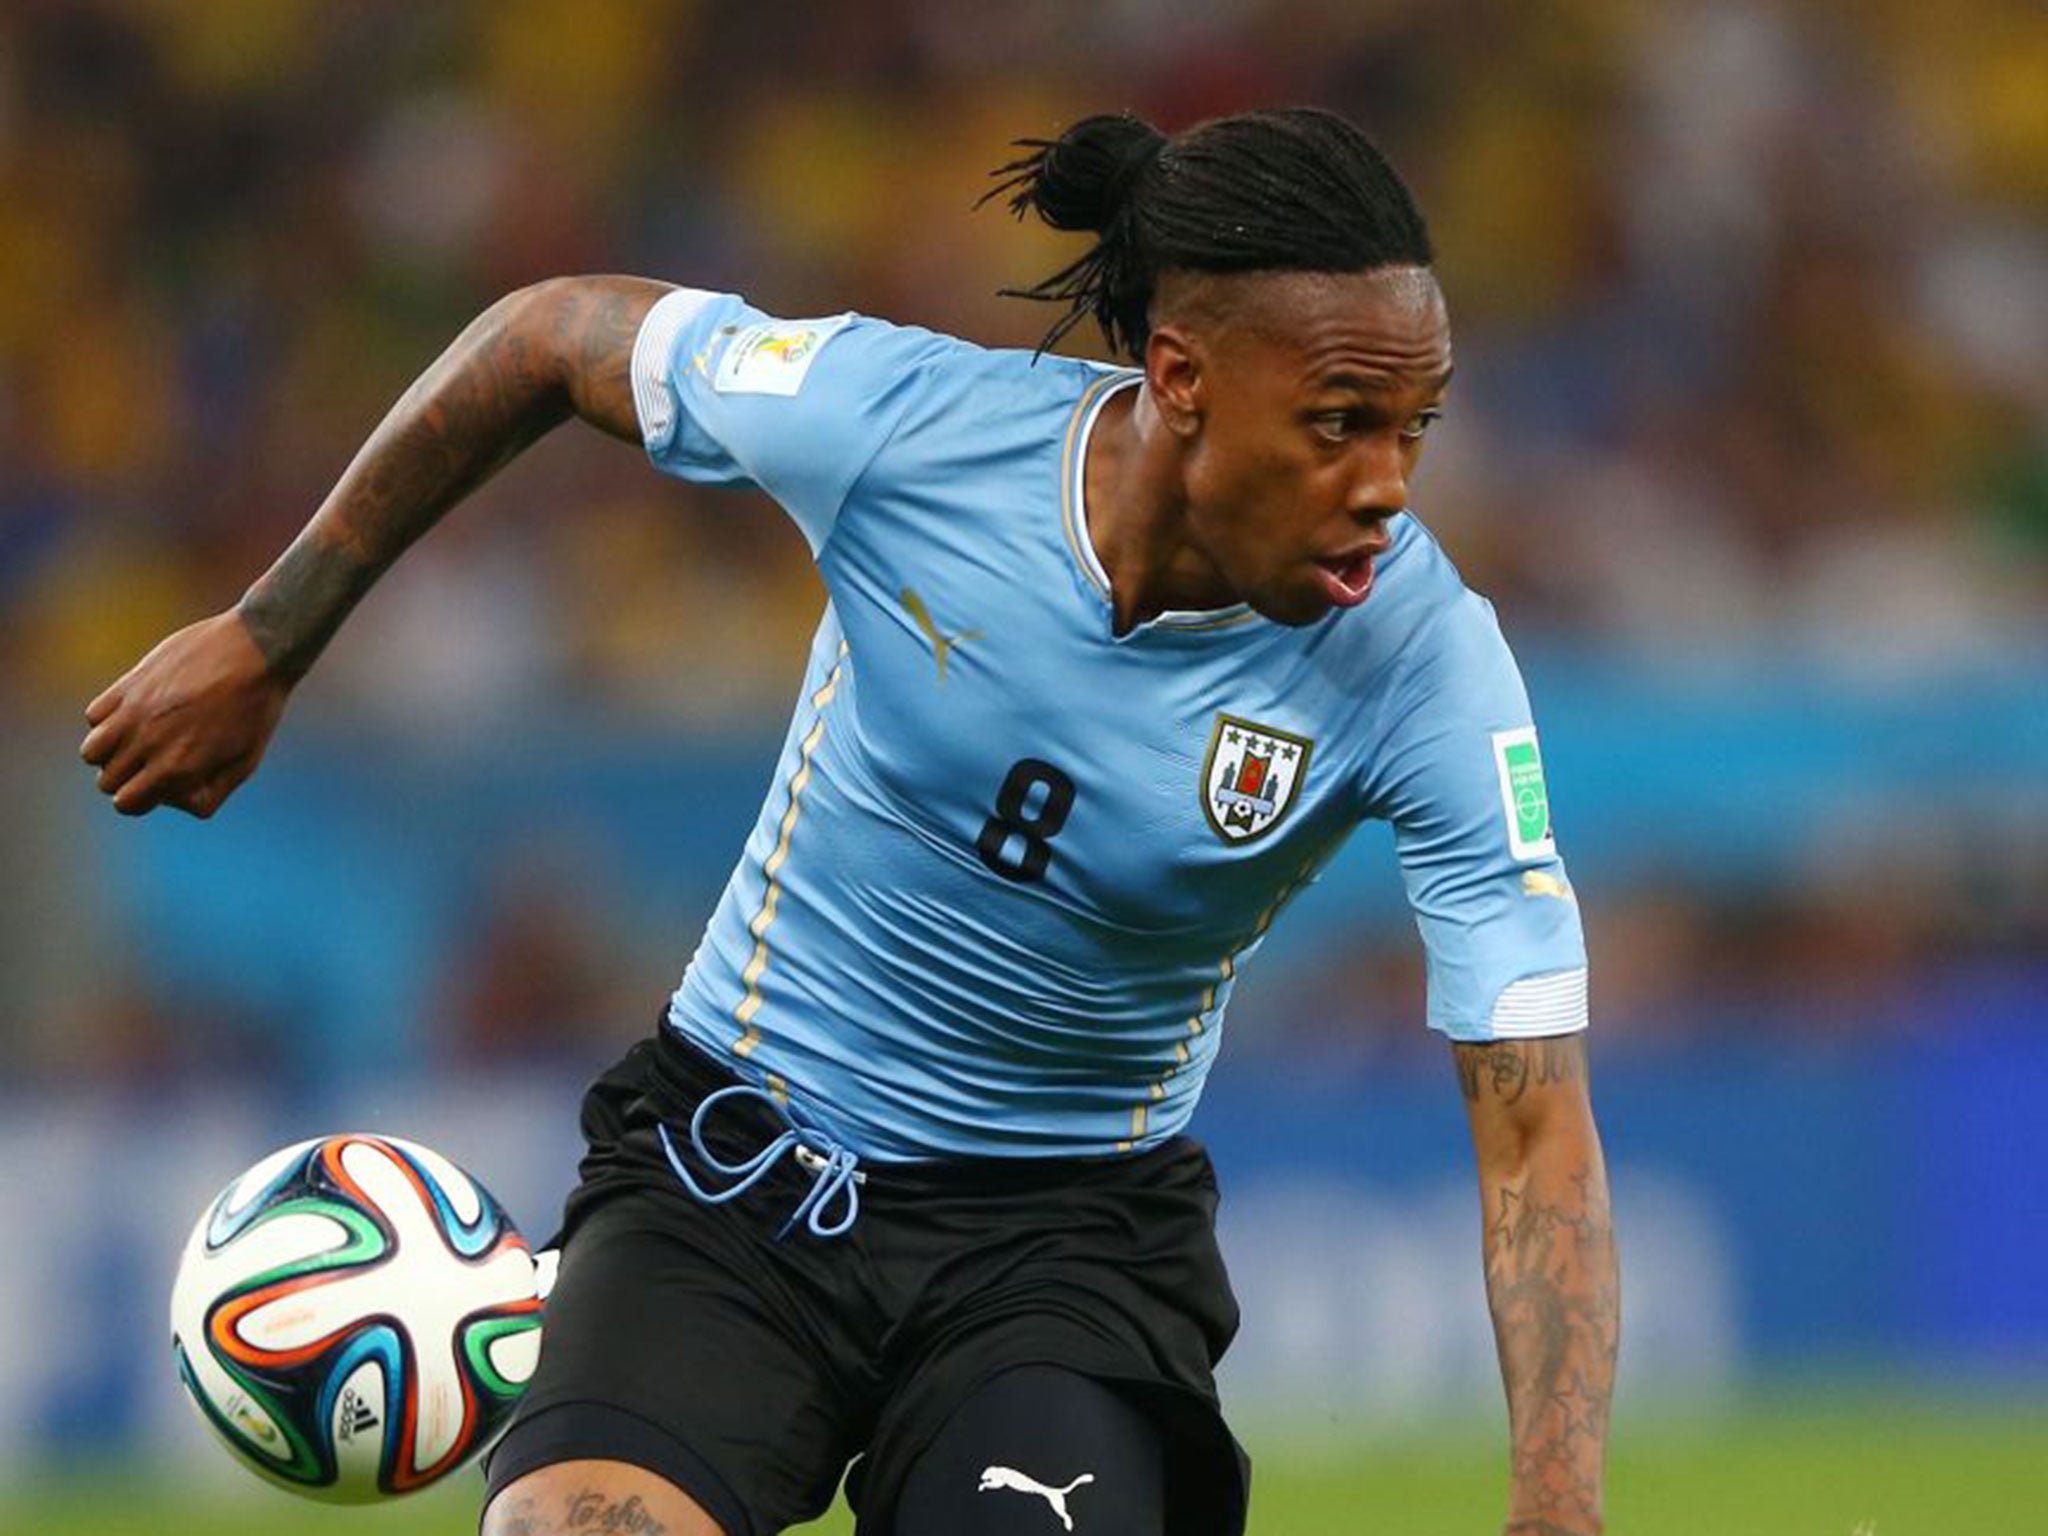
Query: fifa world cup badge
1524,798
774,357
1251,777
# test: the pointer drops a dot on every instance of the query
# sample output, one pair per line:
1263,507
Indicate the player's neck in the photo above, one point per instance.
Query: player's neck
1136,517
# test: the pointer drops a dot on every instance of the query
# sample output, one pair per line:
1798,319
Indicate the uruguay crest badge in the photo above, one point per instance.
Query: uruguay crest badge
1251,777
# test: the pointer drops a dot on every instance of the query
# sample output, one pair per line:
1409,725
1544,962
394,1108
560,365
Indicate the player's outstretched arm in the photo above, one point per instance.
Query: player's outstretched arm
190,721
1551,1276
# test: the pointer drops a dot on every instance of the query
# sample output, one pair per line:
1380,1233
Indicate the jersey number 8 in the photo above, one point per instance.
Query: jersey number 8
1017,823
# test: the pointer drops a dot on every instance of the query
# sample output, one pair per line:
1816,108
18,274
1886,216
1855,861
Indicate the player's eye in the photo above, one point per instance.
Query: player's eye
1336,426
1420,423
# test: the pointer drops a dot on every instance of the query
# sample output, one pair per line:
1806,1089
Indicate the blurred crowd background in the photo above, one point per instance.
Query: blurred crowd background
1749,444
1751,307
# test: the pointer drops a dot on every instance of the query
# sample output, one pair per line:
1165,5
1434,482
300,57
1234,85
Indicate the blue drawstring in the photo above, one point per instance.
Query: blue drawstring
833,1168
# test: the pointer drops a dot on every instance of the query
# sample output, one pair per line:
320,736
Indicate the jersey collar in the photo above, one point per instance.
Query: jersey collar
1074,516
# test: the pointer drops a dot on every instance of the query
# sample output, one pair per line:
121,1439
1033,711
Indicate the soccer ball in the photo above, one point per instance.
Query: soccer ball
355,1317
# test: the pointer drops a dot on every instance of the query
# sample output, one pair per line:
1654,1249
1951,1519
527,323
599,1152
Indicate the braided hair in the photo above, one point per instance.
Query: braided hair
1295,189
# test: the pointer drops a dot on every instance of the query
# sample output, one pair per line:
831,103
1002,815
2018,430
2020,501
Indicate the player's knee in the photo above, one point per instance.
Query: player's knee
1034,1443
595,1498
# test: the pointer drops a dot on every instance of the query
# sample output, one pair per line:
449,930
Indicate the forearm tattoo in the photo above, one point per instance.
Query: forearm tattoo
1554,1290
502,383
295,608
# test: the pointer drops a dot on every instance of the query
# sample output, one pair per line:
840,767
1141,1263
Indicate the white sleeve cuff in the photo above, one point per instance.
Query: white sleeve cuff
654,392
1550,1004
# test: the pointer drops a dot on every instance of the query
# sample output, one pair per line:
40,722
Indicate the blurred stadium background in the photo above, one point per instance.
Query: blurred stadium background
1749,444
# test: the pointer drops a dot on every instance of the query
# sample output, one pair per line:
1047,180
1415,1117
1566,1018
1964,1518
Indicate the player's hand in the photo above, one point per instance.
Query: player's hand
186,724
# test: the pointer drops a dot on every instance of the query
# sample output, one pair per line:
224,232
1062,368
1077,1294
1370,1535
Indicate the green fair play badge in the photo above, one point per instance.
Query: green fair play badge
1524,798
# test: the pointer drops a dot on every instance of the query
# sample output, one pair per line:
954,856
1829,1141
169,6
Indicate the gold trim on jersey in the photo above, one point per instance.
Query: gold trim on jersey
750,1004
1226,969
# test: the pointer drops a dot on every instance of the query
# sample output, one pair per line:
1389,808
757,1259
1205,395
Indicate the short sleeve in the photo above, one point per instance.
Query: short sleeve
729,396
1462,783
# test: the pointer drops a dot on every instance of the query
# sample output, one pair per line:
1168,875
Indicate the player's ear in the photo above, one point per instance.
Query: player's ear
1176,377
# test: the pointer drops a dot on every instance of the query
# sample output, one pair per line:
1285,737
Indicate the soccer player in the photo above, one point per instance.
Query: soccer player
1114,659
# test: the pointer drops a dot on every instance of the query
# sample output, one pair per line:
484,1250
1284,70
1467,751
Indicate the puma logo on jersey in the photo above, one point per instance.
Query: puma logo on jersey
994,1478
942,645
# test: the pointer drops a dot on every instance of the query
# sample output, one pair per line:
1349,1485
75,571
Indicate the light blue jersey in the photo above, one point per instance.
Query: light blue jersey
1011,862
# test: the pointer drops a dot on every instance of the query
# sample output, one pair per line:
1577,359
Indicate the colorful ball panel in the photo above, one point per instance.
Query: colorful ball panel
355,1316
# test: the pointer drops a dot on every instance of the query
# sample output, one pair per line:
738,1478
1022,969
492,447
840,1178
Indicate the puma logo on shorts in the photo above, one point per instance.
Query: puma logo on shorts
993,1478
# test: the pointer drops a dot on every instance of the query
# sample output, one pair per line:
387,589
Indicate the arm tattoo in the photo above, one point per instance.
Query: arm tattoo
1508,1069
516,372
591,1510
599,333
1551,1280
1551,1277
517,1518
294,610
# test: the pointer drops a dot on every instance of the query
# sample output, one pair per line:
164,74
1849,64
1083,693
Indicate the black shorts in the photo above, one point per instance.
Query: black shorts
686,1338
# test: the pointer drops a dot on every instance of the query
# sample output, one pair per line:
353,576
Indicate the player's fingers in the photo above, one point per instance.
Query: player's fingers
202,797
121,766
125,752
201,801
143,793
102,741
105,704
235,774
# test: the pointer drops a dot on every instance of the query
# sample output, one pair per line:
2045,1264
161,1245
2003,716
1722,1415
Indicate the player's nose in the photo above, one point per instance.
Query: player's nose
1379,485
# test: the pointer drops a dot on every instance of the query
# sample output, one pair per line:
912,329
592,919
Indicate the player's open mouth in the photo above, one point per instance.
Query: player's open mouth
1348,581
